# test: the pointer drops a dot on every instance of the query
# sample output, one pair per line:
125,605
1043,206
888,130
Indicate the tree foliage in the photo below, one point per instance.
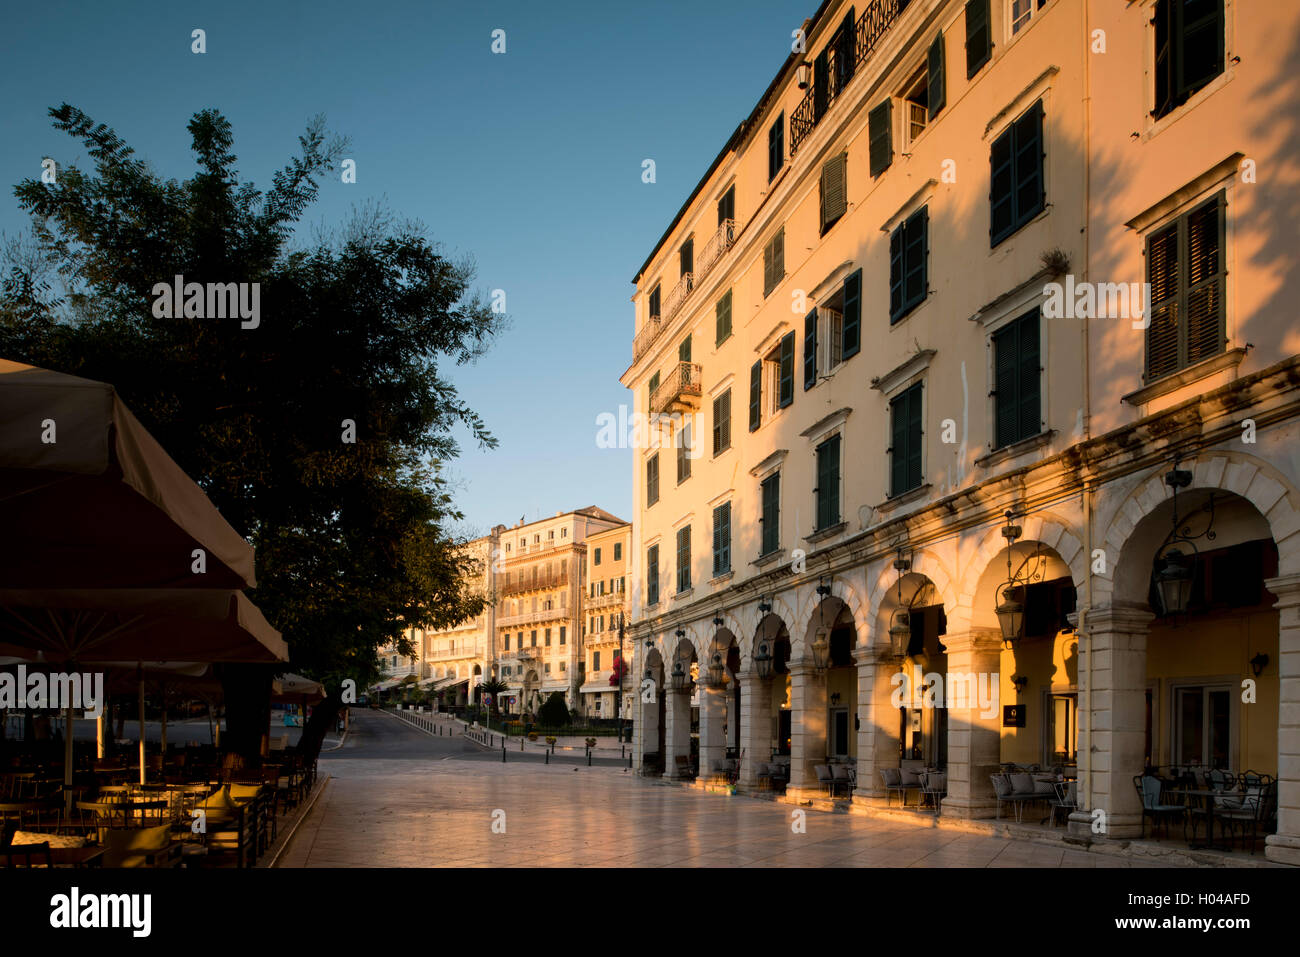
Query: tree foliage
353,541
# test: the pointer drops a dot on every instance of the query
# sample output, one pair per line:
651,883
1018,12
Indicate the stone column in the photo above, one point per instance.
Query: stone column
974,730
878,744
1114,639
807,730
645,728
677,731
755,726
713,745
1284,846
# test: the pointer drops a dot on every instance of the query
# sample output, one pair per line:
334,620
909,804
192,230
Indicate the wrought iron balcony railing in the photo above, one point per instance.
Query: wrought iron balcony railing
679,391
842,64
533,617
614,598
646,337
518,584
721,240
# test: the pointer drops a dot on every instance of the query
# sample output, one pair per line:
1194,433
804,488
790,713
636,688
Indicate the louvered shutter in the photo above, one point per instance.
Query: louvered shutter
778,257
767,268
880,144
821,85
851,324
755,395
810,350
915,440
1205,337
686,257
896,273
898,446
723,316
1165,81
1162,274
979,36
1028,361
684,350
834,200
1006,382
828,483
934,84
1001,186
771,513
914,242
1028,164
786,391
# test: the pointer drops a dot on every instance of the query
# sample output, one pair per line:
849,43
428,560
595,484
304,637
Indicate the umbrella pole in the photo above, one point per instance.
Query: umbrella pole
67,760
140,673
162,686
101,728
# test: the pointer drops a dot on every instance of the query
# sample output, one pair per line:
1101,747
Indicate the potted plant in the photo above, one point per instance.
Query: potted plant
550,739
532,735
591,742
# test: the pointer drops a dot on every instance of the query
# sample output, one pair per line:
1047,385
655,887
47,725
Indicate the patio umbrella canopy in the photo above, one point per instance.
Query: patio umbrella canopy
296,689
88,498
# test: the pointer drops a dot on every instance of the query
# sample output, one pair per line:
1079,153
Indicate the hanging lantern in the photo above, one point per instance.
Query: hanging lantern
803,75
717,673
1174,582
763,661
681,680
821,649
1011,616
900,634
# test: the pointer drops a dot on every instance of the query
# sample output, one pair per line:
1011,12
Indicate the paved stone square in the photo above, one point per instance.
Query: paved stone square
400,798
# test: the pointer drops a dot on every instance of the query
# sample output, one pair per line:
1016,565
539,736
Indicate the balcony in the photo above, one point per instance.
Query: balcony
722,240
535,582
614,598
680,392
655,325
842,64
533,617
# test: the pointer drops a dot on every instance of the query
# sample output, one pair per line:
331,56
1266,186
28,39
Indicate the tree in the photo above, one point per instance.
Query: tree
494,687
554,712
319,432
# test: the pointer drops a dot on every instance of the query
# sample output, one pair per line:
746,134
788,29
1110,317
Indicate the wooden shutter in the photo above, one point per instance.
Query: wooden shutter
1165,81
1002,187
914,438
915,231
821,85
755,395
652,479
723,314
1005,386
722,422
851,326
810,350
1162,274
936,95
979,36
898,444
686,257
880,144
722,539
683,454
771,513
786,391
1028,164
778,257
727,205
652,574
828,482
776,147
1029,375
684,350
1204,336
896,274
834,197
768,250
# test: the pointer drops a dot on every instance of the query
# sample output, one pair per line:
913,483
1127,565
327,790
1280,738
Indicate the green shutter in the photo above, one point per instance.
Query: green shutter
684,350
1204,282
1002,187
834,191
1006,382
723,314
767,268
896,274
771,513
851,327
821,85
979,36
828,483
650,389
1165,80
1162,274
934,84
898,444
913,255
722,422
778,257
915,440
755,395
652,574
786,391
1030,362
810,350
880,147
1199,57
1029,164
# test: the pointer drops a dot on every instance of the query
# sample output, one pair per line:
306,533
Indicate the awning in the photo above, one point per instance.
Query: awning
102,505
296,689
598,687
386,684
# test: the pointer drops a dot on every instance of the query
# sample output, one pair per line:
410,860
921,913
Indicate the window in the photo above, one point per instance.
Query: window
547,667
651,388
727,206
684,452
686,257
564,665
785,371
979,36
828,483
907,274
1021,12
520,636
684,350
934,65
562,631
595,661
721,424
722,313
683,558
652,479
851,325
916,106
546,638
652,575
722,539
596,557
507,548
1189,49
880,146
1016,380
810,350
834,190
776,147
774,262
654,302
618,552
755,395
771,518
507,642
905,452
1203,726
532,638
1186,271
837,323
1016,188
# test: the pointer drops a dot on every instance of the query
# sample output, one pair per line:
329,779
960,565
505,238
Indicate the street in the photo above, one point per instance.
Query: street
401,798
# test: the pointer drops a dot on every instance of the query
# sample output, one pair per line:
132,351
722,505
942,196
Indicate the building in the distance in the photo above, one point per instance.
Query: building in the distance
606,651
981,335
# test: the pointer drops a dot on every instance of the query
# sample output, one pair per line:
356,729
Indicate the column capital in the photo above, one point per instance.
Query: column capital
801,668
1286,588
1122,617
977,640
872,655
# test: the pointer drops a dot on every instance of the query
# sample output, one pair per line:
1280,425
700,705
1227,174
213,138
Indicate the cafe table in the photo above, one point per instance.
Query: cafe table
1208,795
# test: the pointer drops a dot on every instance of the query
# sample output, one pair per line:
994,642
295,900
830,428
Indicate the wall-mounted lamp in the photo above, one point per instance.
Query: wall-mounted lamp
803,75
764,606
1259,663
1019,682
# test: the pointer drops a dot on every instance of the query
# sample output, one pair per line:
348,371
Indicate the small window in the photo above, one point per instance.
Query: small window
1185,267
546,638
595,661
905,418
683,558
916,106
979,36
722,539
834,190
727,207
1016,189
774,262
1189,49
652,574
507,548
722,313
652,479
684,449
776,147
562,630
908,282
827,491
721,424
596,558
1016,373
618,551
880,146
532,638
547,667
771,517
684,350
686,257
654,302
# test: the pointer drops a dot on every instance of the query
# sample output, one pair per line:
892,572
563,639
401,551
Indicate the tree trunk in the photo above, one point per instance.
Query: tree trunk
248,709
323,717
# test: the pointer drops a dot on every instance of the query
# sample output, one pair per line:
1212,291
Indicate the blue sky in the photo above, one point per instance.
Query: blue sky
529,161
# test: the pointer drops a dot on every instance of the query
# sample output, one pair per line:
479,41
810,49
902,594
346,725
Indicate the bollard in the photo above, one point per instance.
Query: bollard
503,752
548,756
589,757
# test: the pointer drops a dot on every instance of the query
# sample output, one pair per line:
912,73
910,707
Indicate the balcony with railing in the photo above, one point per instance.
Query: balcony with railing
711,252
680,391
614,598
843,60
534,617
519,582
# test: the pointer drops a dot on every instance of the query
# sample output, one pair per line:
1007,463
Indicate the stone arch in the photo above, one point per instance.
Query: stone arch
1054,533
924,564
843,595
1249,478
